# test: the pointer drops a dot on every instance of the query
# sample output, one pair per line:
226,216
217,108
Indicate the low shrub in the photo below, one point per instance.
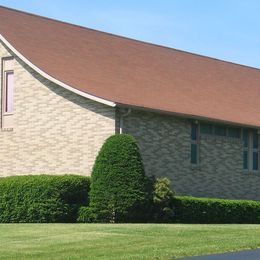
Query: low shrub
163,197
215,211
86,215
42,198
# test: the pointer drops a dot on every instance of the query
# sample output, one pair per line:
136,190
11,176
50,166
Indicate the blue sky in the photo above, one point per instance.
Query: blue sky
224,29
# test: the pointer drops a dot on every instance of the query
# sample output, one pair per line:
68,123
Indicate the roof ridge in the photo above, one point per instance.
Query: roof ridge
130,39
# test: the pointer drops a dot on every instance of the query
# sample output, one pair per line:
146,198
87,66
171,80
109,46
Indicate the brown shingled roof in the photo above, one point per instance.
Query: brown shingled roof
135,73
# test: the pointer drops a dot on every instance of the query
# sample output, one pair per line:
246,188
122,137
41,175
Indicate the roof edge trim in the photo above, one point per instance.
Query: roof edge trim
52,79
189,116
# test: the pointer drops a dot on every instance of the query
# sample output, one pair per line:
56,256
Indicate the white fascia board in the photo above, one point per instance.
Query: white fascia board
52,79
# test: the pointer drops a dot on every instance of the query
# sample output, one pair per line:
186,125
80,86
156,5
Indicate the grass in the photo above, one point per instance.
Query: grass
122,241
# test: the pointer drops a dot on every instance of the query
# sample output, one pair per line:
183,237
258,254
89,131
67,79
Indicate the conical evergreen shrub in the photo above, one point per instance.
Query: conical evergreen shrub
119,188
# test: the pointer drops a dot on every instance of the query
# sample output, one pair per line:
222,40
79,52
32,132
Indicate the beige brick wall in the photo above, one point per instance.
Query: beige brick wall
164,141
55,131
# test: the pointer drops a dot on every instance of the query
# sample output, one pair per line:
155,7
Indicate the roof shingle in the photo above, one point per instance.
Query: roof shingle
135,73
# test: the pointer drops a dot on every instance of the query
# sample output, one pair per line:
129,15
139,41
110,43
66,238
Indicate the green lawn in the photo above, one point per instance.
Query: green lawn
122,241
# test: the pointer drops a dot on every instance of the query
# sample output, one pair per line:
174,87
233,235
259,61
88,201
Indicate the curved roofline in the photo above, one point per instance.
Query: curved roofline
54,80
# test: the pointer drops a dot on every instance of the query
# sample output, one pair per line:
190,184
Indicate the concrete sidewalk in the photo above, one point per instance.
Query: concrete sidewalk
241,255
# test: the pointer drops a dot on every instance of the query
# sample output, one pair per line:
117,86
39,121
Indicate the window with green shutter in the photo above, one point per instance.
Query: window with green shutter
194,143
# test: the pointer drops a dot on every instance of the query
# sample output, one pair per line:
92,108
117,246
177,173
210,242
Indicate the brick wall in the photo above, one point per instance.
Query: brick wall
54,130
164,141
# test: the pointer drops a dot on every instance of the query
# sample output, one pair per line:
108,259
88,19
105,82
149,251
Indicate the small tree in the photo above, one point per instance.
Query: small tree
119,188
163,200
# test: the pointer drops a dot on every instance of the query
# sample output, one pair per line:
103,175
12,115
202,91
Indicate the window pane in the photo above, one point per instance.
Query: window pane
9,92
194,131
194,153
220,130
245,160
245,137
255,139
206,128
234,132
255,160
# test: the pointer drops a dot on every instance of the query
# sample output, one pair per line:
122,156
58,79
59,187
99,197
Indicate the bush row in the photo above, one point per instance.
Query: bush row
200,211
42,198
215,211
52,199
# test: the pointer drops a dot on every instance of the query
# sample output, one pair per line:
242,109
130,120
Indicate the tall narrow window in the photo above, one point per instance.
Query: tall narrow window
8,92
245,148
255,150
251,150
7,95
194,143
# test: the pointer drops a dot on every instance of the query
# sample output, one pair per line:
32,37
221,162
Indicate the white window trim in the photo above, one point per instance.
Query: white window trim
6,117
4,98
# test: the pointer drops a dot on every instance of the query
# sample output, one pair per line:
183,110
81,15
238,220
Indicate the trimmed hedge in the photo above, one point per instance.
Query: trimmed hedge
42,198
45,198
119,187
215,211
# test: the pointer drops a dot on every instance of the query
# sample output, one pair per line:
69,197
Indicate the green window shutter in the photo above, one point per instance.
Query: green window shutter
194,155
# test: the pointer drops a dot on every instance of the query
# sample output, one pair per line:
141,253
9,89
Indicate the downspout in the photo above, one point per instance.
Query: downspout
121,119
